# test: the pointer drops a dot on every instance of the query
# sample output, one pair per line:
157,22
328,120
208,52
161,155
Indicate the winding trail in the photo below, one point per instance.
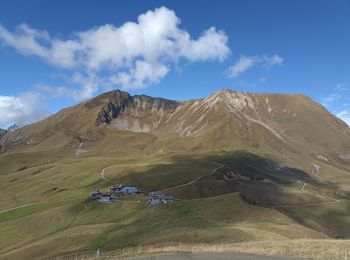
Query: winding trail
197,178
334,200
22,206
302,188
208,174
37,203
102,173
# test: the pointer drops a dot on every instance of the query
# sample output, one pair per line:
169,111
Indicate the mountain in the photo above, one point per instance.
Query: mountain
284,123
282,163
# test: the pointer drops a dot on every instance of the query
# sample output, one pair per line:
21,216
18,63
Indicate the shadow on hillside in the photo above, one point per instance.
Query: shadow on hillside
258,168
248,173
260,181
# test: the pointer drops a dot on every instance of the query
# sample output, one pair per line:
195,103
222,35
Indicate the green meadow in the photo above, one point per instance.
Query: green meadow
63,219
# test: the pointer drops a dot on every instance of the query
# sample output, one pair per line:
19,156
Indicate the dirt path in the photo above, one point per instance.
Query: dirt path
208,174
102,173
197,178
37,203
302,188
317,194
22,206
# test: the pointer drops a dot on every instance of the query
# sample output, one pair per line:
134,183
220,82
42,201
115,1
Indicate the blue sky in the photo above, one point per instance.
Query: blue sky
56,53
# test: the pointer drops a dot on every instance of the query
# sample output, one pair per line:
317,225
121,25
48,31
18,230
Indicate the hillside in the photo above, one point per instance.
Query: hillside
247,167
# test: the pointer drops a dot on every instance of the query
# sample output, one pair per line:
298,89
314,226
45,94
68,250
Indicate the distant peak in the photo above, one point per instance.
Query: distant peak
225,90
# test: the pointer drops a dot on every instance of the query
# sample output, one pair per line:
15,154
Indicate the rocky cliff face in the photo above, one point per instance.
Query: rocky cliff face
138,113
117,103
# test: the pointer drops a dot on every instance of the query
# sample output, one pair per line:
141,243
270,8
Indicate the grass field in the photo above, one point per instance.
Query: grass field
85,225
62,220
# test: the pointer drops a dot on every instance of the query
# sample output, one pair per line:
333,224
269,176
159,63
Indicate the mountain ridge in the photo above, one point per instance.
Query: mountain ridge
251,118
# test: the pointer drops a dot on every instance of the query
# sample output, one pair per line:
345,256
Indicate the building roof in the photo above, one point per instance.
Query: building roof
129,189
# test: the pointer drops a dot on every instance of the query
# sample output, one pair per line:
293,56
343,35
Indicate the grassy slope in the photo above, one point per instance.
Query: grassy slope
75,223
86,225
65,221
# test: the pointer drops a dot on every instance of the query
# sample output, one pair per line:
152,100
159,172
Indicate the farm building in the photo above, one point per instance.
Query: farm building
96,194
115,189
158,197
129,190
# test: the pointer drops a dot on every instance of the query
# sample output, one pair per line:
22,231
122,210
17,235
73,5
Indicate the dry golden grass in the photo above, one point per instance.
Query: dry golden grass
306,248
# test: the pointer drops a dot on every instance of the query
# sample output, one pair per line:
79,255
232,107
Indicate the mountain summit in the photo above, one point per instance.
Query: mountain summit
225,120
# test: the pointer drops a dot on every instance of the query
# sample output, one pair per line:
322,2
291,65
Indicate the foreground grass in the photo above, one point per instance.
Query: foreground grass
306,248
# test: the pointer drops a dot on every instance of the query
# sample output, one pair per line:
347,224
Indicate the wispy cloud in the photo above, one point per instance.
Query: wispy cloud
133,55
23,109
243,64
247,62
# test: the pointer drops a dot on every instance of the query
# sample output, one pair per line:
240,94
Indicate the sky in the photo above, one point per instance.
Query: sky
54,54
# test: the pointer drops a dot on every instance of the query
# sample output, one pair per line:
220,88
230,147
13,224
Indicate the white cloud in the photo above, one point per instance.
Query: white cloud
26,40
345,116
133,55
23,109
199,50
270,60
142,75
245,62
